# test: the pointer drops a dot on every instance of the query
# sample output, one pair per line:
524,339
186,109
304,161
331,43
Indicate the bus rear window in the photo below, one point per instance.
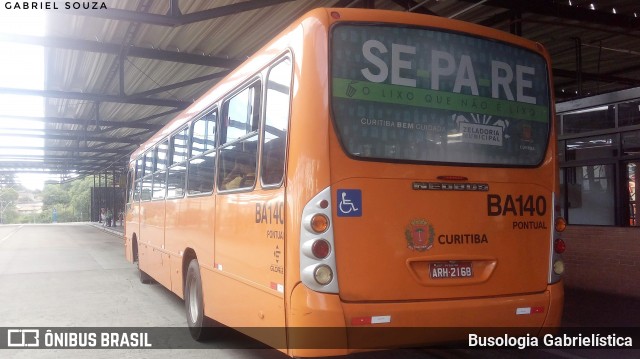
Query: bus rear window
412,94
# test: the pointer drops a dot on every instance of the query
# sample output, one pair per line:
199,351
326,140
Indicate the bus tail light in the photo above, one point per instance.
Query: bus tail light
323,274
320,248
558,267
317,255
319,223
560,224
559,246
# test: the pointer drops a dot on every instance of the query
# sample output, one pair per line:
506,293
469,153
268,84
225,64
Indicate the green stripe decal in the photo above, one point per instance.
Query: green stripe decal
410,96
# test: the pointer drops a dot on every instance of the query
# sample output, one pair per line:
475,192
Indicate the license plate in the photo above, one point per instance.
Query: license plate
442,270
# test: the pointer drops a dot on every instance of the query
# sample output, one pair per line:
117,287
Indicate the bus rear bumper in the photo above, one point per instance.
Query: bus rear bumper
381,325
556,306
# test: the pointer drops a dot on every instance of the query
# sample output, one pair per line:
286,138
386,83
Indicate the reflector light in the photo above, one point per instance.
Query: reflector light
537,310
377,319
361,321
324,204
558,267
335,15
560,224
319,223
559,246
320,249
323,274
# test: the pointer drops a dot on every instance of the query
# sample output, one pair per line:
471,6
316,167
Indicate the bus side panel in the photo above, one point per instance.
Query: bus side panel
152,215
232,301
308,152
249,248
189,224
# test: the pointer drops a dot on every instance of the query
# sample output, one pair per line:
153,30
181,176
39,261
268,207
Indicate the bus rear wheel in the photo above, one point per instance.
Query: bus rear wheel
144,277
193,302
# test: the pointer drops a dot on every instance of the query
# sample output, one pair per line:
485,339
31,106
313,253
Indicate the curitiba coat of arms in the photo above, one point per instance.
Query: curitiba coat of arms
419,235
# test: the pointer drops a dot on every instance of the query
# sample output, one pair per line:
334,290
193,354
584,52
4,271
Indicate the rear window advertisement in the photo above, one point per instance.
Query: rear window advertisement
414,94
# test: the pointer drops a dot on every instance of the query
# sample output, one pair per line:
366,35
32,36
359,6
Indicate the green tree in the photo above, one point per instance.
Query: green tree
55,198
8,194
80,192
72,201
54,195
8,200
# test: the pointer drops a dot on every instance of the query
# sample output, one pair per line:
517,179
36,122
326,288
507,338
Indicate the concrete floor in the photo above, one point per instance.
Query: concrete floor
75,275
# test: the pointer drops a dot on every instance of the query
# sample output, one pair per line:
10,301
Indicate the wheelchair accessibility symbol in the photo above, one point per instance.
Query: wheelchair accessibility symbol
349,203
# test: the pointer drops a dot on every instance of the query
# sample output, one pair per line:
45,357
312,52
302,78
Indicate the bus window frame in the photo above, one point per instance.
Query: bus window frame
172,164
131,183
157,171
258,80
137,179
287,55
145,175
189,157
139,167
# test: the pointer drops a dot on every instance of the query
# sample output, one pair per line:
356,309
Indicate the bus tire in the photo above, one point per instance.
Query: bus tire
144,277
194,303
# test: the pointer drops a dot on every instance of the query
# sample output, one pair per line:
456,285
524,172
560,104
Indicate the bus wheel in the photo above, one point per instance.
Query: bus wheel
144,277
193,302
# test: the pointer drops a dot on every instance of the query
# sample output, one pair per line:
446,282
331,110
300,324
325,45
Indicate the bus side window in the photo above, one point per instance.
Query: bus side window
204,134
159,177
201,172
276,125
130,184
147,180
238,156
177,164
138,179
241,114
238,165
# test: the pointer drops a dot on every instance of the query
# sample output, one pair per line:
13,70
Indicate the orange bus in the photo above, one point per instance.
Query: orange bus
364,169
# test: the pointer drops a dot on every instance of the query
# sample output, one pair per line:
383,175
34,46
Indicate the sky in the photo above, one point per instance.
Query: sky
21,66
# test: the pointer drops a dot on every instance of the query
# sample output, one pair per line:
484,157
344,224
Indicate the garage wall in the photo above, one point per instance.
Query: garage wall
605,259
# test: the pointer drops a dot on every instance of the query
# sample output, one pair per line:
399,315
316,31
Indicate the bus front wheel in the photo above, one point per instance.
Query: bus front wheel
193,301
